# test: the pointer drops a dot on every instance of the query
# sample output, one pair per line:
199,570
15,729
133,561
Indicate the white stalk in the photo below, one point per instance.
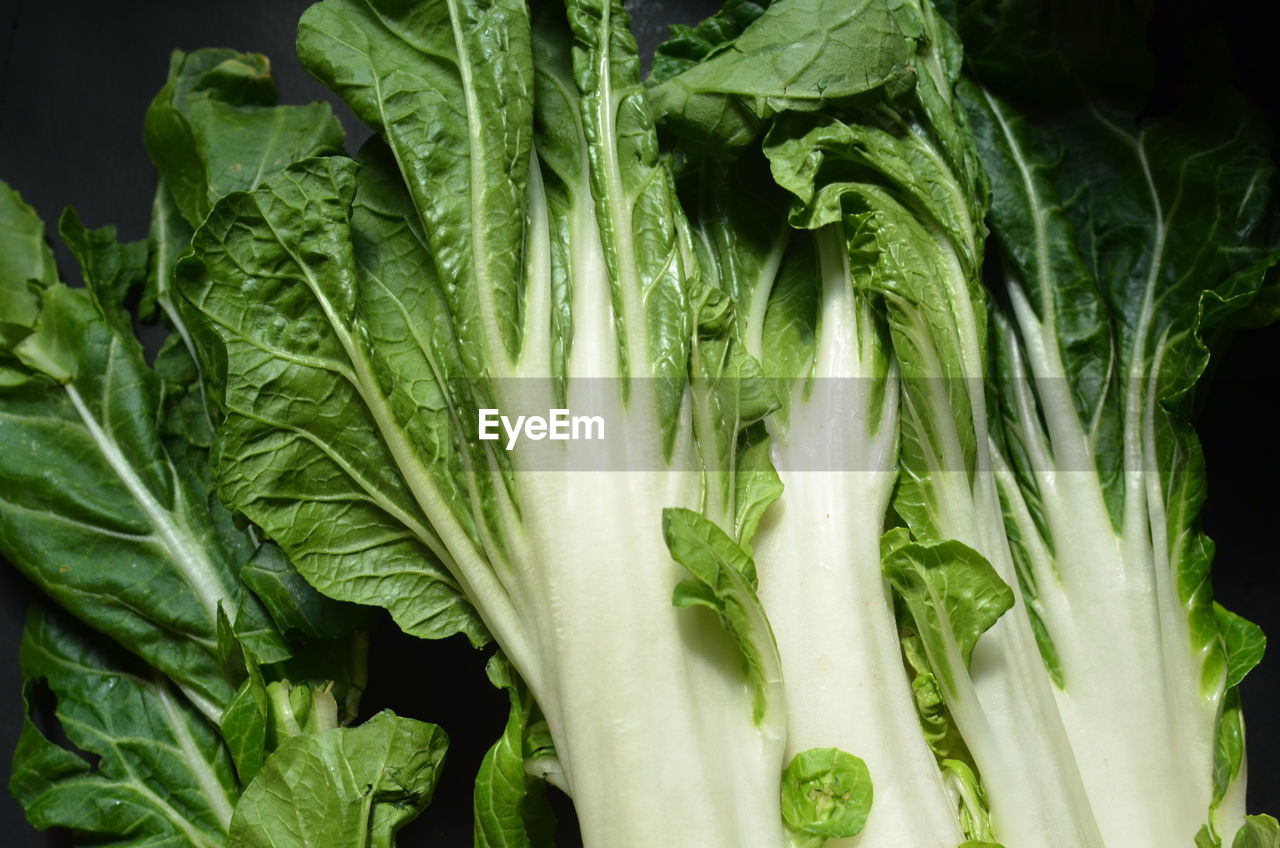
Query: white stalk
1142,732
648,709
646,702
1009,719
818,560
1102,611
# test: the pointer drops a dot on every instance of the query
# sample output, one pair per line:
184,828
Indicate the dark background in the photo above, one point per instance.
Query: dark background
75,80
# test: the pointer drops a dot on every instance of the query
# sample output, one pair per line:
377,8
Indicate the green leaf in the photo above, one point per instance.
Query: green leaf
738,221
738,216
191,361
731,393
724,579
686,46
24,256
187,414
899,178
1130,248
789,331
1229,751
98,514
168,238
511,809
1258,832
113,516
112,271
641,228
367,310
756,487
214,129
1243,643
738,384
400,297
293,604
953,595
448,87
244,726
801,55
52,348
826,794
347,500
146,769
345,786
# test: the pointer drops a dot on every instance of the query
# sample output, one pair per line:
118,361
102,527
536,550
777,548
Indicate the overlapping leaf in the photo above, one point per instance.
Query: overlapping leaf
146,768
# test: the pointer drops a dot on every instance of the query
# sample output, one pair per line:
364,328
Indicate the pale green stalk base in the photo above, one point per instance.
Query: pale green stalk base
819,561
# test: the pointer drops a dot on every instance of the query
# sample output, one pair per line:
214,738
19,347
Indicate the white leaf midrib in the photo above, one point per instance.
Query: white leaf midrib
186,550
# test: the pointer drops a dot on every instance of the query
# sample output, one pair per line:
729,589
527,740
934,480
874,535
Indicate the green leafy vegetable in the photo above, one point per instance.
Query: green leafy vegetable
809,423
147,769
113,517
368,310
1126,250
344,786
134,547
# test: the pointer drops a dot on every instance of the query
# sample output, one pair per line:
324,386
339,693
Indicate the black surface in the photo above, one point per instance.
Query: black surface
75,80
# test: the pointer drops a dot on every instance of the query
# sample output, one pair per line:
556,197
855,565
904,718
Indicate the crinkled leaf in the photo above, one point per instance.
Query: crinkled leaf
307,415
448,87
213,129
345,786
826,794
953,595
